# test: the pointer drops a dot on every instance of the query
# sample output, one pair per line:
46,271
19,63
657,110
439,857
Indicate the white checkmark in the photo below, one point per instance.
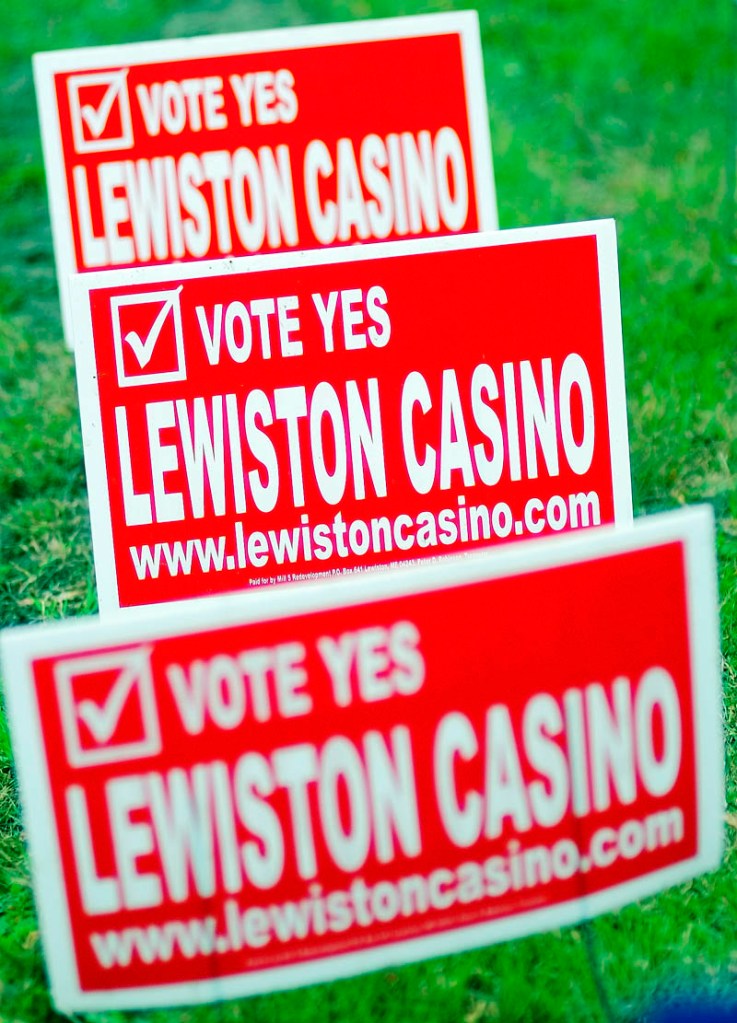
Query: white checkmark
97,118
102,720
143,349
96,691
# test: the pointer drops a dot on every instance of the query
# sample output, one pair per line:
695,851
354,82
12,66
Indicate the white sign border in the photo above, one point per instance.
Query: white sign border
83,285
694,527
47,64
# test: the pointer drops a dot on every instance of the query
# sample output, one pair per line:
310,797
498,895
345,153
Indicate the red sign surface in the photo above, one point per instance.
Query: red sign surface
269,790
265,141
289,417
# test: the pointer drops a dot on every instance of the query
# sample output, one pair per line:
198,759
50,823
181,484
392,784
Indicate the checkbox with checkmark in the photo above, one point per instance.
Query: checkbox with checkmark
100,110
108,709
148,338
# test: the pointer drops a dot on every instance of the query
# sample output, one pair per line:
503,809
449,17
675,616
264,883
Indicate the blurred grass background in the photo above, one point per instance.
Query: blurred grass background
619,108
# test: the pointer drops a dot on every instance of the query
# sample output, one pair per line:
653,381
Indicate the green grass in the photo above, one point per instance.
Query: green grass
598,109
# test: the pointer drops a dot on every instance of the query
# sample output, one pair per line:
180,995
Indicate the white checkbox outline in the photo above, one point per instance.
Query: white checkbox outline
142,378
117,79
137,660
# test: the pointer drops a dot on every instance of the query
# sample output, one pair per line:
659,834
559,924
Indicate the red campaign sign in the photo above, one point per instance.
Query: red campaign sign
265,141
296,416
316,780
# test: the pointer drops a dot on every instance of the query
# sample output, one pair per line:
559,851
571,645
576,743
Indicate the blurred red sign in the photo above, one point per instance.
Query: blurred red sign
265,141
273,789
295,416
